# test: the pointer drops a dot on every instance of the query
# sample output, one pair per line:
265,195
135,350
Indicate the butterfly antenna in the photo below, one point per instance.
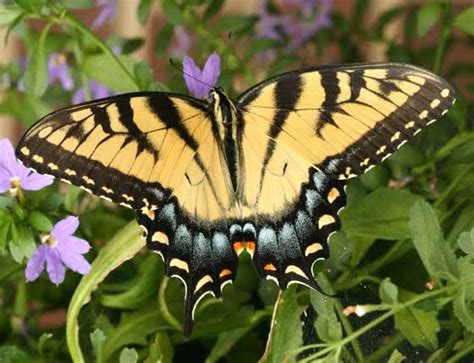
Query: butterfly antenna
178,67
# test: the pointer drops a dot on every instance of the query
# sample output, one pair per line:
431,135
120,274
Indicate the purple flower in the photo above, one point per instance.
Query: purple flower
59,71
59,249
15,176
97,91
199,82
183,42
306,18
107,12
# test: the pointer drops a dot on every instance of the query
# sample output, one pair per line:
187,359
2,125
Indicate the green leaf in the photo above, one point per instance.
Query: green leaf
464,303
427,16
172,11
143,11
5,225
285,332
8,14
465,20
436,255
367,218
100,68
98,339
33,6
125,244
225,342
212,9
144,75
418,326
396,357
40,222
163,38
161,350
134,329
22,243
234,24
5,202
143,287
128,356
466,242
327,324
388,292
36,74
11,354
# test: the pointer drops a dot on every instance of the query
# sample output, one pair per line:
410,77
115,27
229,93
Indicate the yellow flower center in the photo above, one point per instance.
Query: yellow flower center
49,240
15,186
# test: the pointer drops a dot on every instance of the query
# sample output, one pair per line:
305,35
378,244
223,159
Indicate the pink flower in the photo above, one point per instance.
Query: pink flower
59,249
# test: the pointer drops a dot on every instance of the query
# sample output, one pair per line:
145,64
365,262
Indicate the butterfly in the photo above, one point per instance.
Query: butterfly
265,173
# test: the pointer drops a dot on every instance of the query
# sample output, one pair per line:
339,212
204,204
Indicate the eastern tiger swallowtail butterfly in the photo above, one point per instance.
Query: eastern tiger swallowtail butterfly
264,173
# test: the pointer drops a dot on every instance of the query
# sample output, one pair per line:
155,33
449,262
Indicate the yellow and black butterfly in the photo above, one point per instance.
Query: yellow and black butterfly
264,173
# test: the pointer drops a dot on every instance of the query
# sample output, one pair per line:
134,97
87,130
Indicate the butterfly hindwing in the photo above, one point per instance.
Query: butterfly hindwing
305,132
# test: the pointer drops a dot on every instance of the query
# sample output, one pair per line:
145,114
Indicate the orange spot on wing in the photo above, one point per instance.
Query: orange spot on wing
269,267
250,247
225,272
239,247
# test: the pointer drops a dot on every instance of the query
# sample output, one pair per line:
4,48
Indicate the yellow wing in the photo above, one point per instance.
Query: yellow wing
304,133
155,153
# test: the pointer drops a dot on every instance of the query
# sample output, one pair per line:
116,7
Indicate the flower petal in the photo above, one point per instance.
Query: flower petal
7,155
65,228
75,261
74,244
192,77
55,268
36,263
5,180
35,181
211,72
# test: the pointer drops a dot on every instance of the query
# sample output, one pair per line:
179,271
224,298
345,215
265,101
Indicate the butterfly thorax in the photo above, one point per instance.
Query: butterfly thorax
225,125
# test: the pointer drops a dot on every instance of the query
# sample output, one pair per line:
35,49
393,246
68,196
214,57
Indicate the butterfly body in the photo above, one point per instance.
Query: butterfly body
265,173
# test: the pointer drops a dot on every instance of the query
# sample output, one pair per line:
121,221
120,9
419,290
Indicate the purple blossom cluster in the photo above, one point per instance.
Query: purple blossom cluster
59,249
301,20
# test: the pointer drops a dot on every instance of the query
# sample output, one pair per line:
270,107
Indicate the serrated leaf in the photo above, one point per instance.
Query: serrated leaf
98,338
40,222
418,326
463,304
396,357
22,243
465,20
367,218
285,333
125,244
436,255
100,68
36,74
388,292
134,329
427,16
128,356
466,242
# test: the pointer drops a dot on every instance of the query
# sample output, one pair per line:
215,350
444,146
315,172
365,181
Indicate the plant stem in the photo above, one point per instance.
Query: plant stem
386,349
447,192
164,306
457,357
395,309
72,21
443,38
